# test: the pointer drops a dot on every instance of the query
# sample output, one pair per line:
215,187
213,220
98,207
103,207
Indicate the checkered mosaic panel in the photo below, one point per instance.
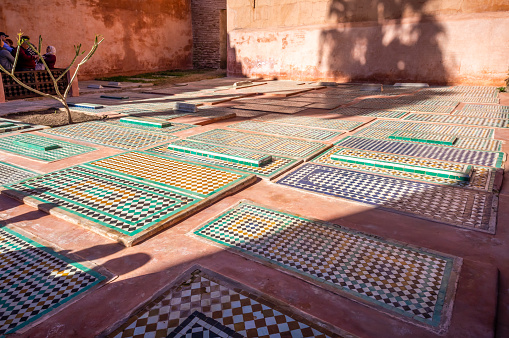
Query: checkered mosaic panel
433,128
269,144
205,299
399,279
64,150
486,108
478,121
110,135
175,127
269,170
334,124
35,280
271,108
388,114
482,158
483,114
461,207
285,130
7,126
10,173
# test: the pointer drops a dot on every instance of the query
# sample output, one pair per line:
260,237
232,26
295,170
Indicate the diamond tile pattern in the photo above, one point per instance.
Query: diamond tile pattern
35,280
400,279
433,128
388,114
285,130
479,121
461,207
10,173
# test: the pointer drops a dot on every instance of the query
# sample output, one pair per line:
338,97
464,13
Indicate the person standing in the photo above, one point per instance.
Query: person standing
26,61
3,38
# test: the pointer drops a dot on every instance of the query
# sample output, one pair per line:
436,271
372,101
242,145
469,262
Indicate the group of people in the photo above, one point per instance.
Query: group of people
28,59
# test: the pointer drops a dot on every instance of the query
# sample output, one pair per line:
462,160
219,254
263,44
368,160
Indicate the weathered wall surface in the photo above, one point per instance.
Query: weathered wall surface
432,41
139,35
206,19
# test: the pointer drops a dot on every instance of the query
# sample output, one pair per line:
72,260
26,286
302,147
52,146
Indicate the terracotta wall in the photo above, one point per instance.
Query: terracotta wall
140,35
435,41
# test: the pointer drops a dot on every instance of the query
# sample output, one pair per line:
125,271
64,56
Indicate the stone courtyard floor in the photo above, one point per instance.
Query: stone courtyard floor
267,209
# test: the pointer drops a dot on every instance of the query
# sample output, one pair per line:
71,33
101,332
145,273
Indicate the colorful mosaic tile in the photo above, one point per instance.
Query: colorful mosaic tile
10,173
285,130
146,122
7,126
460,207
333,124
401,280
481,178
109,134
482,158
478,121
269,144
388,114
271,108
172,128
133,193
422,137
461,142
483,114
41,148
35,280
270,170
432,106
434,128
486,108
205,304
222,153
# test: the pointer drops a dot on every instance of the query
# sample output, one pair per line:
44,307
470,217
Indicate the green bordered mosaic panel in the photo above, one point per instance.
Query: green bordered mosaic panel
268,144
109,134
133,193
35,280
32,146
421,137
374,271
7,126
145,122
173,128
286,130
333,124
10,173
387,114
271,170
481,178
454,119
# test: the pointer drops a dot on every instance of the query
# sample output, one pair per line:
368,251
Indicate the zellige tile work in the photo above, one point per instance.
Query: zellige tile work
205,304
286,130
466,208
173,128
333,124
35,280
401,280
8,126
41,148
486,108
388,114
478,121
271,108
129,196
10,173
262,143
433,128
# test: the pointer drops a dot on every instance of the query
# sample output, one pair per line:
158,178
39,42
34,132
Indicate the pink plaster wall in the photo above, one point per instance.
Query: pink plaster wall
139,35
463,48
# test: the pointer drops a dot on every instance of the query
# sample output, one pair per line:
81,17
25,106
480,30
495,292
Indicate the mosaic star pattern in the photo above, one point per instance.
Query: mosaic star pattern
399,279
31,146
285,130
10,173
35,280
460,207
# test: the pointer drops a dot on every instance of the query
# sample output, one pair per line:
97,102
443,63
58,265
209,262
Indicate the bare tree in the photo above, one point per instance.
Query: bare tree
59,96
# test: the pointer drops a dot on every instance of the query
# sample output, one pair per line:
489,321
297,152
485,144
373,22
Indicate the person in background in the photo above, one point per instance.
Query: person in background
26,61
50,57
3,38
6,58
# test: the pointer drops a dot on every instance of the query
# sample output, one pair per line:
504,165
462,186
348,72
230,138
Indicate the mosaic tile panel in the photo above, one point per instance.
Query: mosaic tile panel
109,134
35,281
486,108
388,114
269,144
285,130
409,282
133,194
173,128
483,114
481,178
32,146
334,124
271,108
422,137
478,121
7,126
239,112
222,153
285,103
269,170
482,158
207,297
434,128
146,122
461,142
10,173
460,207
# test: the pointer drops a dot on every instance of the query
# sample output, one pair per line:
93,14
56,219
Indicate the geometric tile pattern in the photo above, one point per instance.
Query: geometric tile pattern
334,124
479,121
431,106
10,173
421,137
275,102
432,128
402,280
388,114
482,158
32,146
268,144
202,298
109,134
483,114
463,143
269,170
461,207
173,128
270,108
35,281
486,108
7,125
285,130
